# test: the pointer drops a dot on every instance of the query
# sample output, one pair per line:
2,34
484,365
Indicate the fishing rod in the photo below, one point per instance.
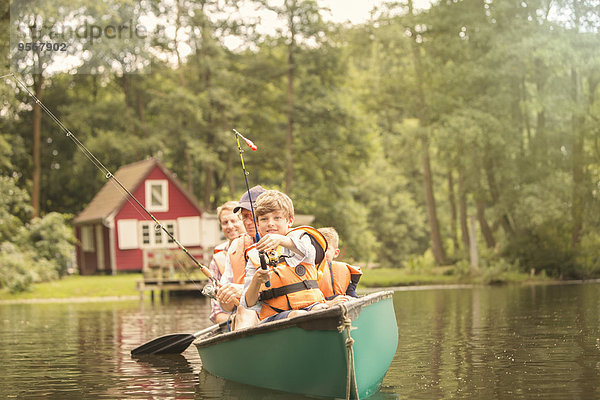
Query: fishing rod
254,148
110,176
262,255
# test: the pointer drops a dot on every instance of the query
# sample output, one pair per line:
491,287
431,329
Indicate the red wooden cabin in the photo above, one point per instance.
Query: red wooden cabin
114,234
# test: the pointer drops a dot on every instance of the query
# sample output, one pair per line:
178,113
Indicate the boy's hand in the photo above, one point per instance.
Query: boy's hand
262,276
338,299
270,242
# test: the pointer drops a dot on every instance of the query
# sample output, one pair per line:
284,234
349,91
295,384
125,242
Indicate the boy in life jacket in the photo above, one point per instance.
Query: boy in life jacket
293,288
339,279
232,227
232,279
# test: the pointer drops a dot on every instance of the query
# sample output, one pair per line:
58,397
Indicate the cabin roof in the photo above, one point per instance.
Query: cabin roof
111,196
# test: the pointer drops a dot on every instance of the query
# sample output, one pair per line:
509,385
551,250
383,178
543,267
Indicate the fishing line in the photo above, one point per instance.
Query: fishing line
111,177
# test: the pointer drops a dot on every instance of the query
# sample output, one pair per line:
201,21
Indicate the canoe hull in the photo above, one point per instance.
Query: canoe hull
308,354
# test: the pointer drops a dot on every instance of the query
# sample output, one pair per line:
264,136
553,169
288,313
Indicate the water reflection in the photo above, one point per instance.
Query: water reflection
493,342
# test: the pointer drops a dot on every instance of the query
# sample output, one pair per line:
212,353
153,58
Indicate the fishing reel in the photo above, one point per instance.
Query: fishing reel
268,259
210,290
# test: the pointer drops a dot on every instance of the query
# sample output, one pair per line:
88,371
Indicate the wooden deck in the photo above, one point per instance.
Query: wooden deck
161,286
167,270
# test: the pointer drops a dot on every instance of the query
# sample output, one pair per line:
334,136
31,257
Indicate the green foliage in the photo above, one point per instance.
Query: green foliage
545,247
20,268
587,260
421,263
50,238
37,251
504,96
14,208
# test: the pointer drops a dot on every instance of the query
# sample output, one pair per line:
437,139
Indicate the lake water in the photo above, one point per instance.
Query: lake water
504,342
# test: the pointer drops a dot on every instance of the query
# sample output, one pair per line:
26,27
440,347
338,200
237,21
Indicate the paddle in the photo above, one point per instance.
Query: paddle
172,344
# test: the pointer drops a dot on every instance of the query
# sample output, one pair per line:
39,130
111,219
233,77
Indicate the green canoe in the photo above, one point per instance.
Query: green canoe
311,354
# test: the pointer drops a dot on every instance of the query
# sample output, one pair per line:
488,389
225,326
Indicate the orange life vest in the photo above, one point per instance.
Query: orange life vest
293,288
220,255
238,259
337,277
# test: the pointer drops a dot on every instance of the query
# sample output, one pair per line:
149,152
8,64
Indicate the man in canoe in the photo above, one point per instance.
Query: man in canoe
232,227
339,279
293,257
232,280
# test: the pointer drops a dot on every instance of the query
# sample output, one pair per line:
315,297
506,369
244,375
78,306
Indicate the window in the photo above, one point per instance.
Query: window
152,236
157,195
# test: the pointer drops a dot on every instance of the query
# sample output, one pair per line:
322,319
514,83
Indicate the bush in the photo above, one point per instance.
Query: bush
19,269
14,208
42,252
545,247
587,260
52,239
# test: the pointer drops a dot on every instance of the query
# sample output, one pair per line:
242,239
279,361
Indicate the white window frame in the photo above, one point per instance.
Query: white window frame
164,185
153,234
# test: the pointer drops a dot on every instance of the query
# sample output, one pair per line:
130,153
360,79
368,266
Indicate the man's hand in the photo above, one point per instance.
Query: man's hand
227,296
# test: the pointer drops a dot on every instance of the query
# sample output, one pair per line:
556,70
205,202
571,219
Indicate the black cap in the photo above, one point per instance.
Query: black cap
245,200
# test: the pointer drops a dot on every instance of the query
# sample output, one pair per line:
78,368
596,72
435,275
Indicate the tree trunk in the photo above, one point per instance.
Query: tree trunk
129,110
141,113
486,231
188,169
38,81
289,137
505,219
462,208
473,252
230,173
453,217
208,184
436,237
577,164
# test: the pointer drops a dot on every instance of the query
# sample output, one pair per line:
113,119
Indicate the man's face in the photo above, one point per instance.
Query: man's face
231,224
248,222
274,222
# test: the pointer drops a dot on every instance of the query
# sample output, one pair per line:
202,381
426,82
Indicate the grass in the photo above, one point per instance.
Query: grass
384,277
79,286
123,285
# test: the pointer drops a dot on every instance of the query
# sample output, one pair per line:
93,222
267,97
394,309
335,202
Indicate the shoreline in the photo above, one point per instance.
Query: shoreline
365,290
69,300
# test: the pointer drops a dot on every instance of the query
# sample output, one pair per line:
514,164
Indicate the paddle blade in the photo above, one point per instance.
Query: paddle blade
169,344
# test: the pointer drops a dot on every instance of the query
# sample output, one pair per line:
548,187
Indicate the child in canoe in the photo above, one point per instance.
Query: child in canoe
293,288
339,279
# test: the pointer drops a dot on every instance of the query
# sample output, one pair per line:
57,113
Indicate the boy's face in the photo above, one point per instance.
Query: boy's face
274,222
331,253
